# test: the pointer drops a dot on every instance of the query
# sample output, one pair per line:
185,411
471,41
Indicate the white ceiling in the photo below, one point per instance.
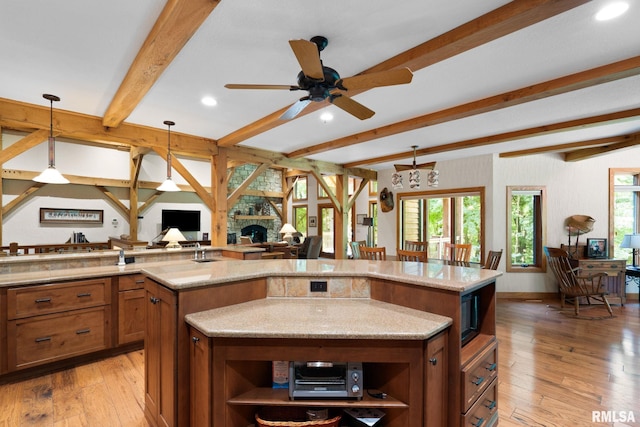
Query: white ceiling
81,50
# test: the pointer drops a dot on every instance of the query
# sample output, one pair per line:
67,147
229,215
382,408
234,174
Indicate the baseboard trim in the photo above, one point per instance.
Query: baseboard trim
527,295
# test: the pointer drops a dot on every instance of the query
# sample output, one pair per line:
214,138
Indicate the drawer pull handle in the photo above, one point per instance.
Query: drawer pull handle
83,331
491,367
84,294
43,339
140,281
478,381
195,339
491,405
433,361
479,422
41,300
154,300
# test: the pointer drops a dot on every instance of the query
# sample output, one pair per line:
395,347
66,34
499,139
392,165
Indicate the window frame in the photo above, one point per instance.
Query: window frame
295,183
540,265
614,249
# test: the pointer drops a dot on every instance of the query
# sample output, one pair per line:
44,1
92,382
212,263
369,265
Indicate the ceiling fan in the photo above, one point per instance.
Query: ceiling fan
414,166
324,83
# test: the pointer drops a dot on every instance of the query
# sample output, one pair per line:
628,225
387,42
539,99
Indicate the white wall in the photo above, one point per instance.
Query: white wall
572,188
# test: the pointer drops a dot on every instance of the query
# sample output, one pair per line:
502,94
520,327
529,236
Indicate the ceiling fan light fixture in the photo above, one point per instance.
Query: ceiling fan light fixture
168,185
326,117
51,175
612,10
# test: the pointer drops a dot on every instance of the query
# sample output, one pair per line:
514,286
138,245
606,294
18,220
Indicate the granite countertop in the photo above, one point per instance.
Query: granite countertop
335,318
452,278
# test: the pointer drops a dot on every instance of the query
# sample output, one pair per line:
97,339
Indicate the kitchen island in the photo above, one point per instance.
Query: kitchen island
175,293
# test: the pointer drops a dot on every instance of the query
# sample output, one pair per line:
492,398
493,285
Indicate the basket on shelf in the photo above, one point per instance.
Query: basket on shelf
291,416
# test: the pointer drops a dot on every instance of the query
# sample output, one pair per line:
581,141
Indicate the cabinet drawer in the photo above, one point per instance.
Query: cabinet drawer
478,374
485,411
42,339
613,266
45,299
130,282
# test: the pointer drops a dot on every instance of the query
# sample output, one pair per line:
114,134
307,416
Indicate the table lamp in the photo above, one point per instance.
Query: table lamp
173,236
631,241
288,231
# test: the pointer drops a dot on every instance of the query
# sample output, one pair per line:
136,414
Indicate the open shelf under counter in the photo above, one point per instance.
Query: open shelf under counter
268,396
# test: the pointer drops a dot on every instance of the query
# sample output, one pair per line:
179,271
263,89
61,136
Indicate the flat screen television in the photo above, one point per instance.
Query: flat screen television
181,219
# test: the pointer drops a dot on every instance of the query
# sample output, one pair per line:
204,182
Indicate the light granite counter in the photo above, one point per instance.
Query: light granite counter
315,318
452,278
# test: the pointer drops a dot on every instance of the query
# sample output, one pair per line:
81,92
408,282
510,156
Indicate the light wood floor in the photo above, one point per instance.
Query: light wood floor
554,370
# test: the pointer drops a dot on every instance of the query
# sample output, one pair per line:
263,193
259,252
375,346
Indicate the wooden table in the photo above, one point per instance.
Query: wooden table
615,269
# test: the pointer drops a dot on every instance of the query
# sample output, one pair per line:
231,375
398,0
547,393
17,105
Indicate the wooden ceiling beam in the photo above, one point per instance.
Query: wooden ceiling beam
566,146
593,77
507,19
603,119
81,127
177,23
588,153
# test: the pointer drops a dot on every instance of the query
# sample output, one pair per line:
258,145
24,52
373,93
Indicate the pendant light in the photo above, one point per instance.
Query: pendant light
51,175
168,184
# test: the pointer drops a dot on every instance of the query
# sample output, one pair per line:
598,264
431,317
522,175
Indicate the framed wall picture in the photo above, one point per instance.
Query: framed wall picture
597,248
71,216
313,221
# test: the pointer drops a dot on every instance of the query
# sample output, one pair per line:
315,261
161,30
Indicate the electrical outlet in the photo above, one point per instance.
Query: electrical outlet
318,286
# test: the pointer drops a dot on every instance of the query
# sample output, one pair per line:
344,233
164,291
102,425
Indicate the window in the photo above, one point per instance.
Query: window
300,189
330,181
443,216
526,229
372,232
300,219
624,188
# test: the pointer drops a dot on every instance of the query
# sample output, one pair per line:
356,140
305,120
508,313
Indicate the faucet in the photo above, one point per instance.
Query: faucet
195,255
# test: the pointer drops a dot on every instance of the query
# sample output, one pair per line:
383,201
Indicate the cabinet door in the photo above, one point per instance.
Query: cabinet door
160,354
435,392
200,384
131,316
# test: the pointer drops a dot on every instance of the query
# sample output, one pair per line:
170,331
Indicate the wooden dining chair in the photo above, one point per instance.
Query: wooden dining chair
460,252
493,259
414,245
373,254
416,256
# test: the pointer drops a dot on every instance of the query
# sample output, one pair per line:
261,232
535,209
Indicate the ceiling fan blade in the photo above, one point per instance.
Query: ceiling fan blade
295,109
308,57
383,78
250,86
350,106
429,165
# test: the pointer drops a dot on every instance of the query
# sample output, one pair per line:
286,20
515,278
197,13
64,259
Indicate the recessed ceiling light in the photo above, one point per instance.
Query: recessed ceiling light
209,101
612,10
326,117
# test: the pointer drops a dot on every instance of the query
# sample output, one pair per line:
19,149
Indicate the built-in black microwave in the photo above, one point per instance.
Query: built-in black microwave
469,312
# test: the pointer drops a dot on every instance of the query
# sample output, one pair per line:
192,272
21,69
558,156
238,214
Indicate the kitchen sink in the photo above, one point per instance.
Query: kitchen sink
203,260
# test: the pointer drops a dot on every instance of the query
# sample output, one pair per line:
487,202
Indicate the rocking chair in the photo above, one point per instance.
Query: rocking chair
573,285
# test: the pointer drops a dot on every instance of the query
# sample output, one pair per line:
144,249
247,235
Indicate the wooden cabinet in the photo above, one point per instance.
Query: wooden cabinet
462,361
131,308
234,381
51,322
615,269
166,342
160,357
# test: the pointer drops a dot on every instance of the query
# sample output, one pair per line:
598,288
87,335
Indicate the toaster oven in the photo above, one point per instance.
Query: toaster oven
319,380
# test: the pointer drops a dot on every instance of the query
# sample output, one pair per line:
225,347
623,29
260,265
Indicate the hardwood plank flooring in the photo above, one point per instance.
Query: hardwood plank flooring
554,370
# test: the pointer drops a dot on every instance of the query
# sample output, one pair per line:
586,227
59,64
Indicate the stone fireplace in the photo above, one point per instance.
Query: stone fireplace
257,233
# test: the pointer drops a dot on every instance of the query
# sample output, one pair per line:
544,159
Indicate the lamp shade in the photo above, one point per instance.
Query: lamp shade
51,175
168,185
631,241
173,236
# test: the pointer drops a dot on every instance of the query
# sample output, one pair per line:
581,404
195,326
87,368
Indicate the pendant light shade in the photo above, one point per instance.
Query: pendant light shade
51,175
168,184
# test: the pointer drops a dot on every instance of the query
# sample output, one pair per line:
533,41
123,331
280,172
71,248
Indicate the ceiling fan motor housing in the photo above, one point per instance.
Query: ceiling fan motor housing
319,89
